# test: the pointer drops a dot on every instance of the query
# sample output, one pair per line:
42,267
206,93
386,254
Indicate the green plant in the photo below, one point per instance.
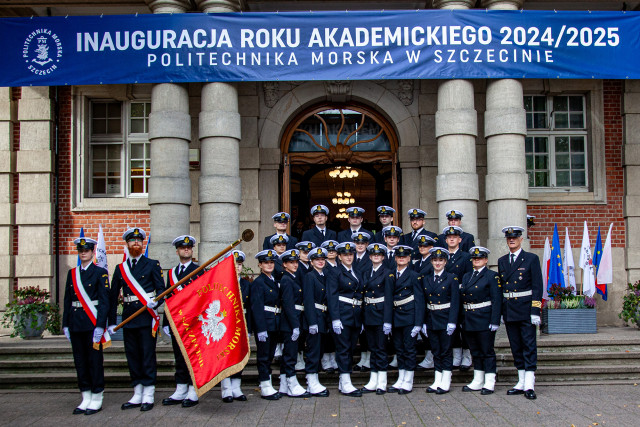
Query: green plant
27,304
631,304
247,273
564,298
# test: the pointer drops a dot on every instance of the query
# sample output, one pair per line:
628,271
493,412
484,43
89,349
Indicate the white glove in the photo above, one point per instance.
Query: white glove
493,328
66,333
386,328
152,304
296,334
415,331
313,329
337,326
362,329
97,334
450,328
262,336
535,320
502,320
424,330
111,329
166,330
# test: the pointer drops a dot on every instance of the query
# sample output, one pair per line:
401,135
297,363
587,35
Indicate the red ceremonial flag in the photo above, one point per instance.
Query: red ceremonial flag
208,320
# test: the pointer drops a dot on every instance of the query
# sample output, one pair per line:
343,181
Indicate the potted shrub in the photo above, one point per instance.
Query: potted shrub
631,304
30,313
566,313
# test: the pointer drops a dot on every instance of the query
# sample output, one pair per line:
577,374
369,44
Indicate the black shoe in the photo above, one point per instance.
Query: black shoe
188,403
274,396
431,390
227,399
468,389
453,368
365,390
365,369
79,411
464,368
329,370
403,391
486,391
514,391
129,405
380,391
146,407
92,411
530,394
303,395
392,389
241,398
441,391
357,368
323,393
169,401
354,393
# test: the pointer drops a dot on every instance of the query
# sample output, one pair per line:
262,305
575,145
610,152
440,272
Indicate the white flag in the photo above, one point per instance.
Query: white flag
569,267
545,268
605,269
586,264
101,250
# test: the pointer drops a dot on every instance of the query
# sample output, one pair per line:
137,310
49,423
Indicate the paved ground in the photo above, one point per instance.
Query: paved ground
616,405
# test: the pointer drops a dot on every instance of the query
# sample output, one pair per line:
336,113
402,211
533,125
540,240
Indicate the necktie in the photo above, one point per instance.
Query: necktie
398,275
133,263
353,275
322,231
450,256
181,270
413,237
513,256
475,273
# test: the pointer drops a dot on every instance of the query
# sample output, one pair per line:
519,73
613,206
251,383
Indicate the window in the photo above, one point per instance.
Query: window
556,141
119,148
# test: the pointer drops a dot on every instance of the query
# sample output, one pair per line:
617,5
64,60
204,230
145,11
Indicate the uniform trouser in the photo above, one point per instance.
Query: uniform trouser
522,339
378,346
264,354
328,343
302,340
405,346
345,344
182,372
289,354
140,348
313,353
364,343
481,345
89,362
441,349
458,340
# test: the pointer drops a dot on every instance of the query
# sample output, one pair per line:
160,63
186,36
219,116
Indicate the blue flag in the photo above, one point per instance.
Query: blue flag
555,265
597,256
146,250
81,236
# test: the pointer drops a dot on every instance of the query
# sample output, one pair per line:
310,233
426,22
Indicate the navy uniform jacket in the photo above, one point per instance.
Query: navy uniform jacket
314,291
407,240
341,283
265,292
362,265
149,274
447,290
245,289
193,266
328,267
484,287
291,244
524,275
96,283
303,270
291,289
314,235
389,261
423,267
468,241
345,235
378,238
411,313
374,287
460,264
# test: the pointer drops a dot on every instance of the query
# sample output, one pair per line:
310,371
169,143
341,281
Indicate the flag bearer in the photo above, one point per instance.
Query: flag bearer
280,223
290,324
521,279
86,305
265,310
442,298
140,280
481,297
385,215
376,280
185,393
404,311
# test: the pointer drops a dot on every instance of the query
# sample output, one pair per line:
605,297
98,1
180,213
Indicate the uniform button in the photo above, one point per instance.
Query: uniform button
476,286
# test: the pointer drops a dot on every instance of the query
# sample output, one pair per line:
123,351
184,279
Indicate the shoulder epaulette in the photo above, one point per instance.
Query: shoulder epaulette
392,275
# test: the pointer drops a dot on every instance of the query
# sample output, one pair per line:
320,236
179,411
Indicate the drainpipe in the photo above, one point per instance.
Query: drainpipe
57,197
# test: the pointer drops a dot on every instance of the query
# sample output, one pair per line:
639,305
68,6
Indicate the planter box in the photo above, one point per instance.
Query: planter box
569,321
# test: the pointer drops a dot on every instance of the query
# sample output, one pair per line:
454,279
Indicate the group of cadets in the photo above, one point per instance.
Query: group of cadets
314,300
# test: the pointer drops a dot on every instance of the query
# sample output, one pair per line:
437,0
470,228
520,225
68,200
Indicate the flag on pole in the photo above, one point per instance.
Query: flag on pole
146,249
568,265
597,253
545,268
81,236
101,250
586,264
208,321
555,264
605,267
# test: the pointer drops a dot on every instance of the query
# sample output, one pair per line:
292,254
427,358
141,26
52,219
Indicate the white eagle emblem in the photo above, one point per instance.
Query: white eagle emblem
212,326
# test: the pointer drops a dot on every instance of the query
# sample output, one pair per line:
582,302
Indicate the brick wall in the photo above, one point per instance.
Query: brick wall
573,216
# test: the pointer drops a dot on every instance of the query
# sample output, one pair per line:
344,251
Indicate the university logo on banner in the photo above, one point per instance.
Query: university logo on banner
208,320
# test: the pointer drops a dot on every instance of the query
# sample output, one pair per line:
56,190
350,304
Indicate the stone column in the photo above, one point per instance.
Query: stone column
34,210
7,209
507,186
169,135
456,131
220,192
631,162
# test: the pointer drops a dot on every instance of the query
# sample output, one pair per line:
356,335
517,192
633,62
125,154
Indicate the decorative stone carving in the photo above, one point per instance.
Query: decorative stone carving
271,94
338,87
405,91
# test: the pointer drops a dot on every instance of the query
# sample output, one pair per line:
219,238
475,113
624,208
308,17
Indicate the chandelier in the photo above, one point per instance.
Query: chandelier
341,173
343,198
342,213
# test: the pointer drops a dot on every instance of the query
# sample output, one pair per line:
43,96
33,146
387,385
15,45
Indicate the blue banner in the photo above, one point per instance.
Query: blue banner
363,45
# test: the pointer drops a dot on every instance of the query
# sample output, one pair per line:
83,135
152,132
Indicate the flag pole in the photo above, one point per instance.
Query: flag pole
247,236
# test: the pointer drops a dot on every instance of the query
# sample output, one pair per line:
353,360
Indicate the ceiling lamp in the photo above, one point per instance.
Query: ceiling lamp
342,173
343,199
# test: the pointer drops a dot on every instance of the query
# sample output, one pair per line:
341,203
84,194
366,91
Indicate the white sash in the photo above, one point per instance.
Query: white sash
87,305
139,291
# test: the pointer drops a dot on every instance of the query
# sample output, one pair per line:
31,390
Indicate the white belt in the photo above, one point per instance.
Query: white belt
132,298
275,310
373,300
244,310
321,307
351,301
478,305
517,294
299,307
403,301
438,306
78,304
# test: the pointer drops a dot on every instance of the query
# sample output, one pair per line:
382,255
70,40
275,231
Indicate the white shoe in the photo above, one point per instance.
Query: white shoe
226,389
427,363
326,362
148,394
314,387
445,384
489,383
180,393
86,399
284,388
367,360
300,362
457,357
346,387
407,383
382,382
267,391
192,395
95,405
371,386
477,383
529,380
520,383
436,382
136,399
295,389
363,356
398,384
466,359
235,388
278,352
332,358
394,362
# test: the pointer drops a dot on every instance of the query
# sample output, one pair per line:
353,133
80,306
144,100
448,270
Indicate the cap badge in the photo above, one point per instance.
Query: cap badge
347,246
383,209
269,253
355,211
453,213
510,230
293,253
393,230
136,231
451,230
477,251
186,240
83,242
283,216
439,252
415,211
376,247
319,251
236,254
